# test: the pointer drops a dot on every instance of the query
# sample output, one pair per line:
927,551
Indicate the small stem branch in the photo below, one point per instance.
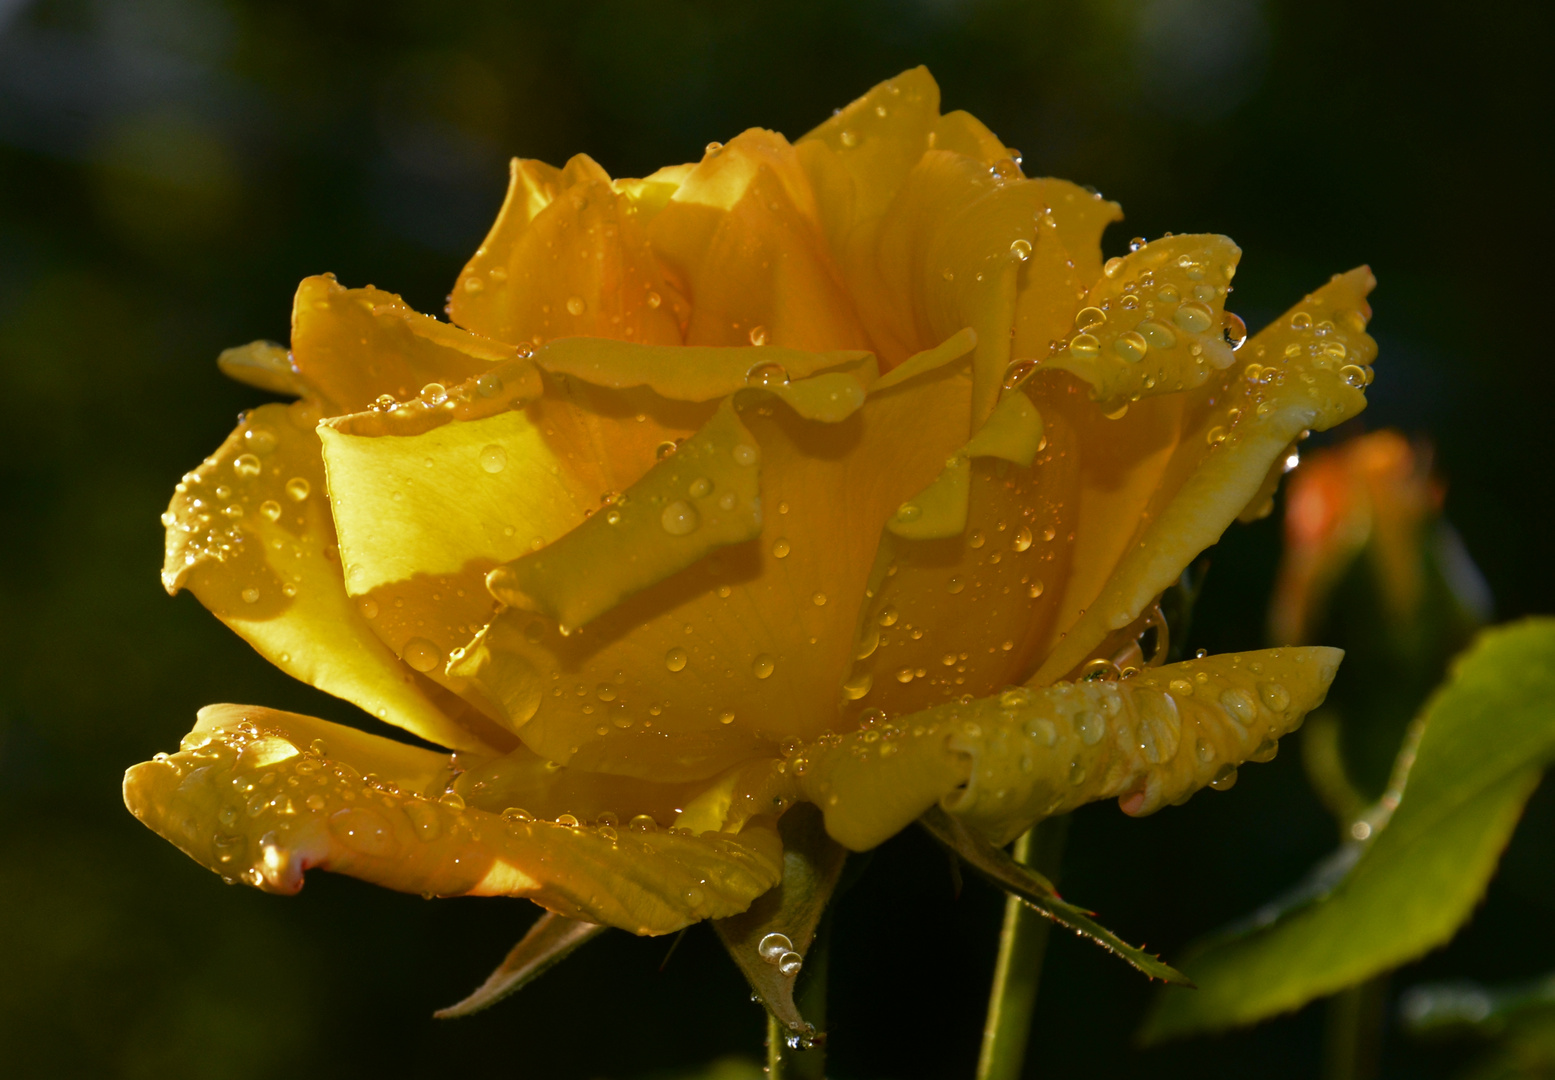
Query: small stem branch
791,1063
1018,971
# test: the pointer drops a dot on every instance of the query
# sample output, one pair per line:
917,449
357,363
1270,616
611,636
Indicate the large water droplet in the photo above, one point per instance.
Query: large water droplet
773,946
790,963
1274,696
780,548
762,666
676,659
1239,704
422,655
246,465
298,487
680,518
857,685
576,305
494,458
1132,346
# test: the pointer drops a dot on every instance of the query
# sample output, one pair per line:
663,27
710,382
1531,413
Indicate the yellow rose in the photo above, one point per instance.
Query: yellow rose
804,472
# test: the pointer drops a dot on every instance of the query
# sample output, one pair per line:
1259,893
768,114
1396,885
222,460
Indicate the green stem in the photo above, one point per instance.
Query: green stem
1352,1031
1018,971
792,1063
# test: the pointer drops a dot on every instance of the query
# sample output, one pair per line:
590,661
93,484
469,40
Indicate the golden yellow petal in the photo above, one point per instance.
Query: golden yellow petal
742,238
998,573
248,798
1065,262
250,533
351,345
264,365
1001,763
699,499
1178,469
727,659
1152,324
567,257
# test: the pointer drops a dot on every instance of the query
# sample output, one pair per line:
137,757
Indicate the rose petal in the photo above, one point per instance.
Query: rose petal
741,234
351,345
1001,763
249,532
248,802
725,660
1180,472
568,256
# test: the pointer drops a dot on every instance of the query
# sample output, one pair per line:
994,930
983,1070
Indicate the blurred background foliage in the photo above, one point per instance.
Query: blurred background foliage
169,169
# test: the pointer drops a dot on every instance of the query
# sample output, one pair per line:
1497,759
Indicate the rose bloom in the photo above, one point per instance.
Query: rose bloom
841,471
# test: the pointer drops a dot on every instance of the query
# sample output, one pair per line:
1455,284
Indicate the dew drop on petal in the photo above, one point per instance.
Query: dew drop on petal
494,458
675,659
763,665
246,465
680,518
298,488
364,831
780,548
422,655
270,509
773,946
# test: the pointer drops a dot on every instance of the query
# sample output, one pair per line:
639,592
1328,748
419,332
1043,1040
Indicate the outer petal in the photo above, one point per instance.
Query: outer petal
741,236
1181,468
727,659
1001,763
568,256
351,345
250,533
248,798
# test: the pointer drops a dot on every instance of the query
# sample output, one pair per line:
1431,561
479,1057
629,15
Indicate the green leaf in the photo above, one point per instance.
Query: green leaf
550,940
1037,891
781,925
1478,753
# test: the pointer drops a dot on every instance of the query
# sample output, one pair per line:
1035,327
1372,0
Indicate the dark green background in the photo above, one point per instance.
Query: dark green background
169,169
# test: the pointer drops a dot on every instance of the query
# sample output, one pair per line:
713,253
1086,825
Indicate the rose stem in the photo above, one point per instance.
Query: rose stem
1018,971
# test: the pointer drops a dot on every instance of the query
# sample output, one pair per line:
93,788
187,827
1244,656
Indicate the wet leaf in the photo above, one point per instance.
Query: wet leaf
997,866
549,941
1482,746
780,926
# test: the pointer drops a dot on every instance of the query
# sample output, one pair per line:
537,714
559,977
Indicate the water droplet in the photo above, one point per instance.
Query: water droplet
745,454
680,518
780,548
1089,318
421,654
1020,249
643,823
1132,346
1225,779
1193,317
433,393
1159,337
693,897
700,488
576,305
1084,347
1077,772
790,963
368,607
888,616
246,465
1090,726
773,946
1181,687
364,831
493,458
665,449
758,337
250,595
1216,435
1042,730
1275,697
568,821
1354,375
848,139
905,675
298,488
857,685
653,299
1234,329
1301,321
762,666
1112,266
270,509
726,717
1239,704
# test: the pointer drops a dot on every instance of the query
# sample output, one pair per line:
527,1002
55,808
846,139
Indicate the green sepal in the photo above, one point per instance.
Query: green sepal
1026,884
812,865
549,941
